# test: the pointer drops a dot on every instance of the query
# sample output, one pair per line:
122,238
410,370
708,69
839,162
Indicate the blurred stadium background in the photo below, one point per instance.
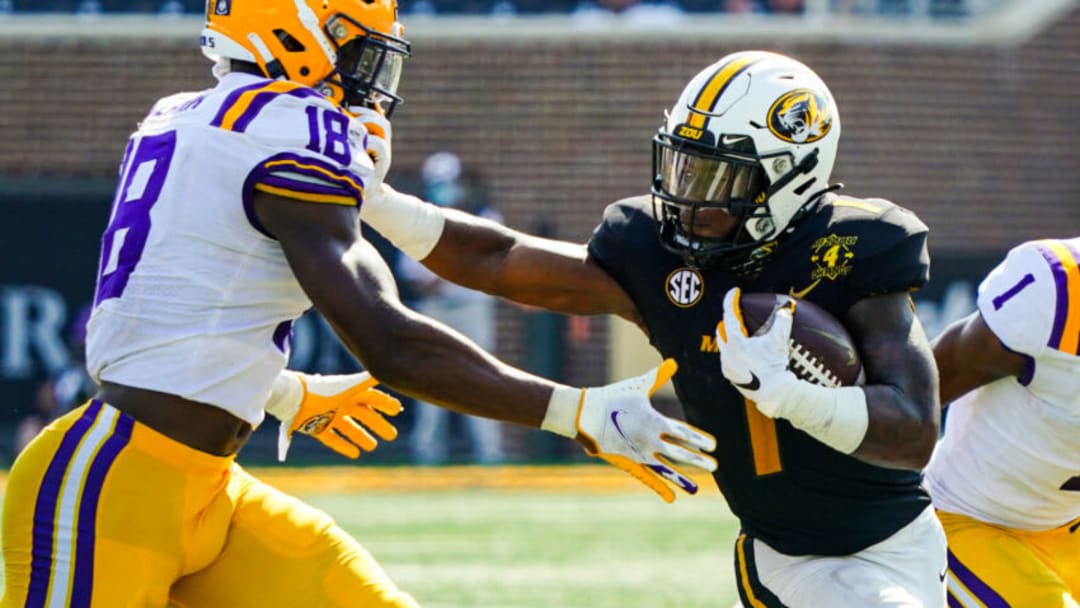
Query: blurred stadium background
964,111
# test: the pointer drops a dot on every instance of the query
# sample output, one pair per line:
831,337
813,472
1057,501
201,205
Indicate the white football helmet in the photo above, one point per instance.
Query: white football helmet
755,135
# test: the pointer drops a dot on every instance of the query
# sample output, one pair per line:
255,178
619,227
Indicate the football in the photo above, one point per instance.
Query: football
822,350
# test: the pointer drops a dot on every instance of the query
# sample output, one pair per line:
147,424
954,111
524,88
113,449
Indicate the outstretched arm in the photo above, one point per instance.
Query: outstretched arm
969,355
352,287
484,255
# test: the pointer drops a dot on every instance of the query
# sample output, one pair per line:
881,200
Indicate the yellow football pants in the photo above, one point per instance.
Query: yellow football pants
996,567
103,512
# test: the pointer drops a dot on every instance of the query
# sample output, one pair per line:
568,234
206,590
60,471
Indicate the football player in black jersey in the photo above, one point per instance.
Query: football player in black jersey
824,480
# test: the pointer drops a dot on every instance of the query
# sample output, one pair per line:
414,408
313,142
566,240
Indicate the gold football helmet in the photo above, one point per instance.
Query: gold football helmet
349,50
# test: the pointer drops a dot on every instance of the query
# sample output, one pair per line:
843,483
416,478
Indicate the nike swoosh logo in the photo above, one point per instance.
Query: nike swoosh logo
942,576
802,292
618,429
728,140
615,421
752,385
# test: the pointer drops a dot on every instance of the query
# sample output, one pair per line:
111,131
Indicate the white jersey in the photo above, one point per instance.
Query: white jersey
194,298
1011,451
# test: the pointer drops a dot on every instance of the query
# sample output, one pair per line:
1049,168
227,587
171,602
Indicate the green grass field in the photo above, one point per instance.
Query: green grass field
468,546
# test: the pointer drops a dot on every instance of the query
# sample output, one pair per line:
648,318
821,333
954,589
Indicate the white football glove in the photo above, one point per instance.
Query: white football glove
378,142
617,423
758,367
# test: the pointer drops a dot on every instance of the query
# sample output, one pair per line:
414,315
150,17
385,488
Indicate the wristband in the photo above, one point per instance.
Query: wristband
286,395
835,416
412,225
562,411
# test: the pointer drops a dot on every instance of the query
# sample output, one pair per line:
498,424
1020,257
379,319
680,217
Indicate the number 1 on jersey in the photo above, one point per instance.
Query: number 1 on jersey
763,442
142,177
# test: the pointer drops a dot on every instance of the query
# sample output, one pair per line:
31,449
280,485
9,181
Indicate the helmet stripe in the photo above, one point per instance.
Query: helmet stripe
715,87
310,21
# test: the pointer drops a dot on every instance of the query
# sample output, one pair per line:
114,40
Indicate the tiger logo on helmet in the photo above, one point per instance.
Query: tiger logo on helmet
351,51
800,117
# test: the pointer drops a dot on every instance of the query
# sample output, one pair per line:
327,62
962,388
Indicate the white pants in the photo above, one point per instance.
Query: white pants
905,570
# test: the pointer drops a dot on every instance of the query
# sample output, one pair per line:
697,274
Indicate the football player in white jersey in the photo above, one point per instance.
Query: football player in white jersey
235,212
1005,477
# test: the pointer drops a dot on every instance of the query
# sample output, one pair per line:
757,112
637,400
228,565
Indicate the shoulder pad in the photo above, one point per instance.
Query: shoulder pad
625,223
285,115
311,149
622,221
1026,299
880,223
885,243
628,210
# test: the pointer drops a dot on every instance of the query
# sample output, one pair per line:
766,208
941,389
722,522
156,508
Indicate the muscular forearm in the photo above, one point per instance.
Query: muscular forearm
530,270
902,383
429,361
486,256
900,432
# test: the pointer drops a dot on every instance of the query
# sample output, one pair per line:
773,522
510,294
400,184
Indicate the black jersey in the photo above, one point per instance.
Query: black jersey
787,488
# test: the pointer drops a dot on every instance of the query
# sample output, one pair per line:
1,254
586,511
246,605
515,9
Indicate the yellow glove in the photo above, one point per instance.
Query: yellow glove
337,410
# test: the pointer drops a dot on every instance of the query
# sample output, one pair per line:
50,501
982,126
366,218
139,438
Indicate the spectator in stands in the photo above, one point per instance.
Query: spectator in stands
64,390
764,7
785,7
633,12
469,312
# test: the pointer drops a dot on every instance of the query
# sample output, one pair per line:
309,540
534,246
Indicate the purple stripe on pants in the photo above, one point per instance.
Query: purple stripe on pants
87,524
45,509
975,585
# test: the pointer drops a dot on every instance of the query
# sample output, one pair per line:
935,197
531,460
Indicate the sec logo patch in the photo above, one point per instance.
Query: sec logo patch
685,287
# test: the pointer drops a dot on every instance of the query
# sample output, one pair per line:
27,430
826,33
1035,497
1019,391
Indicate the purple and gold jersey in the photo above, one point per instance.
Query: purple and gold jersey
1010,455
189,282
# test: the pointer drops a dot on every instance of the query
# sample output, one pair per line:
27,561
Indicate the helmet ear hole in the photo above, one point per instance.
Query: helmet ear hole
288,41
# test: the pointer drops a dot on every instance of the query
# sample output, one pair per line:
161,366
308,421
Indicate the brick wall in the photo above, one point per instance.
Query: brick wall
980,141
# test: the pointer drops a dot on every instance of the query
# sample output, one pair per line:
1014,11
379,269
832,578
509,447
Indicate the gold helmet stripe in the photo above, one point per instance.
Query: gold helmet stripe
715,87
